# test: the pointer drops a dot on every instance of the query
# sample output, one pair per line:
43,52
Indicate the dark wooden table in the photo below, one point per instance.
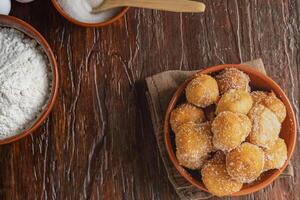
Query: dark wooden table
98,143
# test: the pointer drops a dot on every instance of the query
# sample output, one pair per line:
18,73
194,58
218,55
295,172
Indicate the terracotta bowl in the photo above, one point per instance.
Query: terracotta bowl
258,81
84,24
12,22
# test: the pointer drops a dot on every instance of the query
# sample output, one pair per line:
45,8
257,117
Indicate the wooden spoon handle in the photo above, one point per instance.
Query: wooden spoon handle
167,5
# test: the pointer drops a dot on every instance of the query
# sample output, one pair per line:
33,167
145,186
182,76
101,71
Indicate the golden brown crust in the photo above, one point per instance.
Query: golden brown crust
202,91
216,178
270,101
193,143
258,96
232,78
238,101
218,146
245,163
230,130
275,105
265,126
275,155
185,113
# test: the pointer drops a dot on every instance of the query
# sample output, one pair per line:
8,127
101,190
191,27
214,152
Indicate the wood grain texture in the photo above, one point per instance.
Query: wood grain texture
98,142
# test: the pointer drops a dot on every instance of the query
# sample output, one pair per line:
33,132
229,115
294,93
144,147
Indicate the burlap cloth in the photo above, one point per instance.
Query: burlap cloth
161,88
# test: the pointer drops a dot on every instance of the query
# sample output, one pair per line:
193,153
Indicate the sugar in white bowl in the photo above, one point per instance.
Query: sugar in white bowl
24,1
80,10
5,6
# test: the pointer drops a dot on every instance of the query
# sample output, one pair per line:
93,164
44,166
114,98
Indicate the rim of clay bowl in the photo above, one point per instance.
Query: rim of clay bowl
28,30
269,83
85,24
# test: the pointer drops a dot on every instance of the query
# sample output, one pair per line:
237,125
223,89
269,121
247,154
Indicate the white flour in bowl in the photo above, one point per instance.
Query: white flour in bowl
81,10
24,81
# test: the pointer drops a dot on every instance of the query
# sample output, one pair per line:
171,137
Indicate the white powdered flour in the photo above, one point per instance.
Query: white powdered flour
24,81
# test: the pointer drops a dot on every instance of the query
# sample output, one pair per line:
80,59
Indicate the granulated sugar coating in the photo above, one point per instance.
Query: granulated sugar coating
202,91
216,179
185,113
230,130
193,143
81,10
275,105
238,101
275,155
265,126
270,101
258,96
240,138
24,81
232,78
245,163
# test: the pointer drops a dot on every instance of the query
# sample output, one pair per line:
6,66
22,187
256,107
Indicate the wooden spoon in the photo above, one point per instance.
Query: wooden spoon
167,5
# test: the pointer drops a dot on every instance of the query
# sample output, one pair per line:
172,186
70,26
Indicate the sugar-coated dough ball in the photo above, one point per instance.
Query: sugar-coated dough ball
245,163
238,101
205,128
232,78
275,105
193,143
258,96
216,178
202,91
230,130
185,113
270,101
265,126
275,155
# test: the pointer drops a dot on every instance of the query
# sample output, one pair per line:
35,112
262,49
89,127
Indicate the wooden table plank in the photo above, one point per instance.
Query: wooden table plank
98,142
